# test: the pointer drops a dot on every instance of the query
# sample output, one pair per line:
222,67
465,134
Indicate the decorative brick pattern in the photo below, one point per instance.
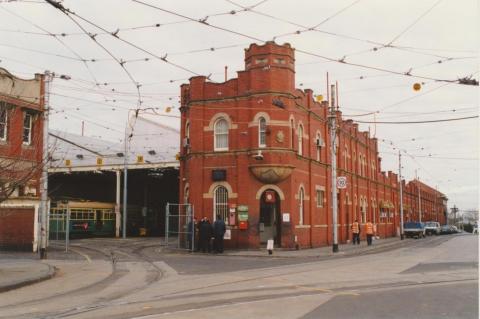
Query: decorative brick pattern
267,86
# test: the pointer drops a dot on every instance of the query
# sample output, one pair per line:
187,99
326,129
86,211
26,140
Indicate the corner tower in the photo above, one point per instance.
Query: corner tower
271,67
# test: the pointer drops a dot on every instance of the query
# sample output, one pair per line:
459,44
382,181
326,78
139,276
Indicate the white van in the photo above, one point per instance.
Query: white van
432,228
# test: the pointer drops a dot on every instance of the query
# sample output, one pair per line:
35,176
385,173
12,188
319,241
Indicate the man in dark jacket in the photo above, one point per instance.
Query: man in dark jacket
192,233
205,234
219,229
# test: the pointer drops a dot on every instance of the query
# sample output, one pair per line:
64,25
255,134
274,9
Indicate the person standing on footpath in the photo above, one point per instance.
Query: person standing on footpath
219,229
205,234
192,233
369,232
356,232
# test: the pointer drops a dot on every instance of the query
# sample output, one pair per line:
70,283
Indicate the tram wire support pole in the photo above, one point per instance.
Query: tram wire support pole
44,176
401,193
67,229
125,180
332,117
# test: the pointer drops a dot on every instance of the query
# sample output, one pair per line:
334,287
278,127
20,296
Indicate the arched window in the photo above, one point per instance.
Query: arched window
186,195
186,140
300,139
220,203
364,210
301,197
292,134
262,132
345,157
360,164
354,162
187,130
318,144
221,135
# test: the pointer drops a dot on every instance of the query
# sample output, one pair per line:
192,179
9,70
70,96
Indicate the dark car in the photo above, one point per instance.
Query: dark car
414,229
446,230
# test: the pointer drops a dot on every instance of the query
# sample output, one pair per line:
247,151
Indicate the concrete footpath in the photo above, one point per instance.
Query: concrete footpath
18,273
17,270
343,250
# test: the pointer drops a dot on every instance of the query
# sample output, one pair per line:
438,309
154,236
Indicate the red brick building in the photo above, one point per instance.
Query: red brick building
256,150
431,206
21,125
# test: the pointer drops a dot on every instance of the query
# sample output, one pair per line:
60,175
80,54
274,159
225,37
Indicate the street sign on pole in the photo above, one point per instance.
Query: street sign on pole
341,182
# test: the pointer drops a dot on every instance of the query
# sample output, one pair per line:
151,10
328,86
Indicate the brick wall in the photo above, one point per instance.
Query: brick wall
16,228
267,88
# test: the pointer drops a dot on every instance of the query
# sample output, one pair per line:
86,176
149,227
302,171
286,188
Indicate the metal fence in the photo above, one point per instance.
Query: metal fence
59,226
179,226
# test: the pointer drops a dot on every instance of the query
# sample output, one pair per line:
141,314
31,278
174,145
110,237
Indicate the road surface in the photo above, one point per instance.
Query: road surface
435,277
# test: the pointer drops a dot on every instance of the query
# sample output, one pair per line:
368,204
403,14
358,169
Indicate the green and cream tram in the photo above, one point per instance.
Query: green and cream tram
86,219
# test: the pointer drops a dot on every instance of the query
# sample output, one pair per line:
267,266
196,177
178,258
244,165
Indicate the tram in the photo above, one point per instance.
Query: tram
87,219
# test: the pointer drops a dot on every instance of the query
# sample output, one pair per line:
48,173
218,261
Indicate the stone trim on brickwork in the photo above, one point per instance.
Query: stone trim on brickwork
305,196
211,124
270,186
302,226
211,190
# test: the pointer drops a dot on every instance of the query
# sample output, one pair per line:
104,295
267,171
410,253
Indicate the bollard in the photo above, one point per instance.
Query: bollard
270,246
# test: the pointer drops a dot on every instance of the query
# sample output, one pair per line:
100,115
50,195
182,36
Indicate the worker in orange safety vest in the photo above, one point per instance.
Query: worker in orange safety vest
369,232
356,232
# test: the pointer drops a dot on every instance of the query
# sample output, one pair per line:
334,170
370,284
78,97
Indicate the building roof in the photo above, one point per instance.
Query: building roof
151,145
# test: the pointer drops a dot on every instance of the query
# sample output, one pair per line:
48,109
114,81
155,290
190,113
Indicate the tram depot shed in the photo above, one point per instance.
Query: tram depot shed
91,170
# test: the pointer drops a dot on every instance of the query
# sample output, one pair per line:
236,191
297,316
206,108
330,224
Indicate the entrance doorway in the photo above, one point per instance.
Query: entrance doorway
270,223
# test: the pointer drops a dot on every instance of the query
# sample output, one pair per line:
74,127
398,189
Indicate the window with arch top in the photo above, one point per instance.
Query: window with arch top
301,198
220,203
221,135
300,139
292,134
318,144
262,132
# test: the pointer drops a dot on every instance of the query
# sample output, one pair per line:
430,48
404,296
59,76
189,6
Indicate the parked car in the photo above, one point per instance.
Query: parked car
414,229
432,228
448,229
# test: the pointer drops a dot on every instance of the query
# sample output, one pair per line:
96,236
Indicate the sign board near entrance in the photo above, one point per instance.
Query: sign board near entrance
269,197
341,182
286,217
242,212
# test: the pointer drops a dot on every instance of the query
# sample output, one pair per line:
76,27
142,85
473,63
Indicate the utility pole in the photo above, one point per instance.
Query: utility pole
419,198
454,211
44,177
401,193
333,136
125,188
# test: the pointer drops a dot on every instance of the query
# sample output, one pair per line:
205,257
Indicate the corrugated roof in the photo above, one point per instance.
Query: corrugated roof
155,143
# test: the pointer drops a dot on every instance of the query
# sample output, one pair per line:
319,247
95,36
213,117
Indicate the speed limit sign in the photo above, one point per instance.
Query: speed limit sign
341,182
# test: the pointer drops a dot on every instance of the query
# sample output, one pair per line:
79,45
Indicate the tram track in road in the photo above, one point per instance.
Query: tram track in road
134,252
288,291
117,257
180,294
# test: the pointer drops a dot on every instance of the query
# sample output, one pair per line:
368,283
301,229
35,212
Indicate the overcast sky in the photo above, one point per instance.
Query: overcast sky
435,40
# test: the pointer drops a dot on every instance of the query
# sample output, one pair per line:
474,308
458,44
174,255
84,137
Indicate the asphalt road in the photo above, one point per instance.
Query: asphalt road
429,278
447,300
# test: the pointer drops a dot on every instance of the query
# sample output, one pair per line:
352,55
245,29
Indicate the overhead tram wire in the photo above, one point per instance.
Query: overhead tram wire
248,9
92,37
56,39
420,122
437,157
413,23
399,102
300,50
308,29
70,13
42,52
